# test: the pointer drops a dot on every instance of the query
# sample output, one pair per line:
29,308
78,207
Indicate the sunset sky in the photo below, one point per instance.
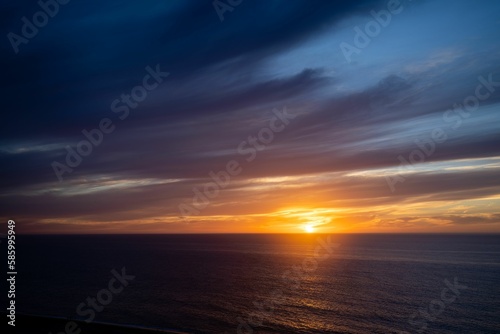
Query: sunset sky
313,135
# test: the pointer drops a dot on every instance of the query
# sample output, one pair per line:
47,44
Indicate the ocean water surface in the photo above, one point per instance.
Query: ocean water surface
270,283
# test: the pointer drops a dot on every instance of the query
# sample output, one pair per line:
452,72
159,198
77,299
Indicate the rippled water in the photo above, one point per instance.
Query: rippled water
270,283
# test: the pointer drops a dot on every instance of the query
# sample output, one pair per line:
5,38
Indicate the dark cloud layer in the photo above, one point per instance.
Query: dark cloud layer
225,78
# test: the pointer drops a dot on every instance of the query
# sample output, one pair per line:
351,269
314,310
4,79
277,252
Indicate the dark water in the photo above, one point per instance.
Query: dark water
215,283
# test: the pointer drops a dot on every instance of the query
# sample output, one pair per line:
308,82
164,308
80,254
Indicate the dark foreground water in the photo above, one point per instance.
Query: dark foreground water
269,283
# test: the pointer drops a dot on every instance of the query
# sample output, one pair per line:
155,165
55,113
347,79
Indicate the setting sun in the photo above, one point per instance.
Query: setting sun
309,228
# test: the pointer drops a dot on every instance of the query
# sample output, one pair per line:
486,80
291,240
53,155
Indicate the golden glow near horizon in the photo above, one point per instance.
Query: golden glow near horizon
309,228
325,205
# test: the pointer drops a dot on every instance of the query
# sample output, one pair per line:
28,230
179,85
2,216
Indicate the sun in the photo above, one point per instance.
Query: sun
309,228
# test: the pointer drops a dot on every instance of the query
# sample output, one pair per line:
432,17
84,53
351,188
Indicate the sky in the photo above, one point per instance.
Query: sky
239,116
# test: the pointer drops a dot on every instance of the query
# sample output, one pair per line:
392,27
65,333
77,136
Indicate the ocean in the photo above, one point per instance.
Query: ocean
308,283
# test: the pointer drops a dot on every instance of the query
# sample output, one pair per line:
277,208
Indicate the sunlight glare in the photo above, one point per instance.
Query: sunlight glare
309,228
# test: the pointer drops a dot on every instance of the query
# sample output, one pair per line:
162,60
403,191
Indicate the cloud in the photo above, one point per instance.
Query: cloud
225,79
